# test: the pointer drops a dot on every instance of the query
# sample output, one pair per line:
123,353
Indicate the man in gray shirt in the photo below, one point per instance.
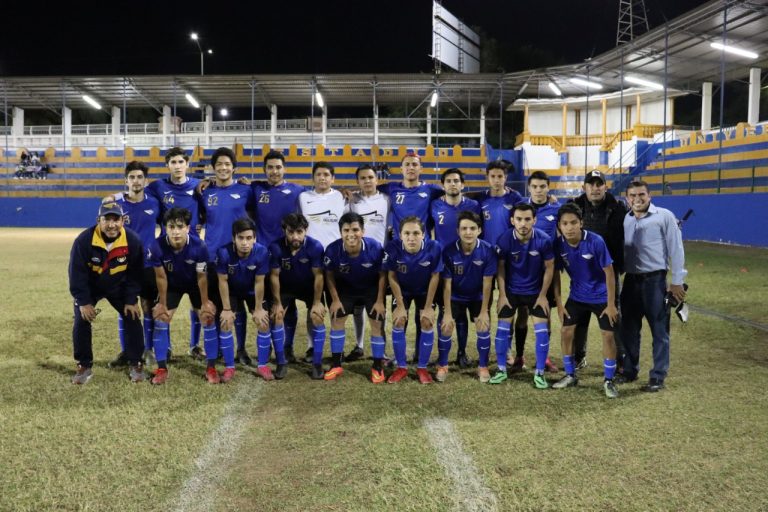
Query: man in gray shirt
653,244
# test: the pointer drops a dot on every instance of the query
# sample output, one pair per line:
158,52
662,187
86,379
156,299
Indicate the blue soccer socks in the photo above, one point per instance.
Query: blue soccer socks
502,344
542,346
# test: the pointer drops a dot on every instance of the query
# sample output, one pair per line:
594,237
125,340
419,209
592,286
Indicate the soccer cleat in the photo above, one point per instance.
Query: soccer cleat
566,382
540,382
484,375
550,366
265,372
442,373
463,361
309,356
121,361
424,376
623,379
377,376
499,377
149,358
196,353
212,376
228,375
582,363
317,372
82,376
281,371
333,373
161,375
653,386
397,376
610,389
137,373
355,354
243,358
518,365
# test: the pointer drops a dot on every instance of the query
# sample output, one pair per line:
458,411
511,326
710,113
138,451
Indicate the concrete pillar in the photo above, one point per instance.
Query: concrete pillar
753,110
17,130
639,118
706,106
116,121
376,124
604,119
165,123
565,127
272,124
325,125
429,126
525,119
66,122
208,124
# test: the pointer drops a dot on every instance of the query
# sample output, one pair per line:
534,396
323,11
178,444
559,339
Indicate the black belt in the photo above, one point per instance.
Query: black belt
647,275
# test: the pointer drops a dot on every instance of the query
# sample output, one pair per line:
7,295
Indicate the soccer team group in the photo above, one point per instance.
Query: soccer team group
268,244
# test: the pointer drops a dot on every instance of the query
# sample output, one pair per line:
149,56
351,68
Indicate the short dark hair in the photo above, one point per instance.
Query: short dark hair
323,165
364,167
243,224
504,165
175,151
414,220
452,170
274,154
469,215
637,184
351,218
135,165
523,207
569,208
538,175
294,221
223,152
176,214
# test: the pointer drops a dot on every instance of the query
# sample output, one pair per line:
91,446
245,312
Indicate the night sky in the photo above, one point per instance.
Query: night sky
137,37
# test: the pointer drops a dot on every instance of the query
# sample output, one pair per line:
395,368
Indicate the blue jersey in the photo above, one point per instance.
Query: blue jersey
413,270
142,217
546,216
524,262
171,195
222,207
357,275
182,267
466,271
445,218
241,272
272,204
296,276
496,214
585,264
406,202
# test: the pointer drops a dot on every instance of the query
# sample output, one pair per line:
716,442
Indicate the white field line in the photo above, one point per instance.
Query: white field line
199,491
470,493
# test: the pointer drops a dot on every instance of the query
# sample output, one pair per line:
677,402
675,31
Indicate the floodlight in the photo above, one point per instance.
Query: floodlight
193,36
192,100
433,101
555,89
644,83
95,104
734,50
210,52
586,83
319,99
224,112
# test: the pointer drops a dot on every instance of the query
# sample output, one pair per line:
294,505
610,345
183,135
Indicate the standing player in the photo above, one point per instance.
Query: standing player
180,262
355,279
241,266
141,213
585,257
526,266
323,206
469,265
496,203
296,261
106,263
414,265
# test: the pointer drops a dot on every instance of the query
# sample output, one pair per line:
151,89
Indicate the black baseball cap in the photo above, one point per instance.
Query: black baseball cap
594,175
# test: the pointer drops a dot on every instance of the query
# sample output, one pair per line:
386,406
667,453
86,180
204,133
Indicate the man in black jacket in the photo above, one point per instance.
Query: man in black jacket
604,215
106,262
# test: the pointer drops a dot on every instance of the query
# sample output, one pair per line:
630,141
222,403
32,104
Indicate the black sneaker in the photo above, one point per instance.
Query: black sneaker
281,371
309,356
463,361
243,358
289,356
357,353
317,372
121,361
196,353
623,379
654,386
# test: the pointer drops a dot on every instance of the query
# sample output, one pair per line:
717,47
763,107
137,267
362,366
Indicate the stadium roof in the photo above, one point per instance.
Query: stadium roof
691,60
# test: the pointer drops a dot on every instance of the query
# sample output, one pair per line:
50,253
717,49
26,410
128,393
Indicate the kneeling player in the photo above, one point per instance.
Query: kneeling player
355,278
584,256
414,266
241,267
526,264
180,263
469,265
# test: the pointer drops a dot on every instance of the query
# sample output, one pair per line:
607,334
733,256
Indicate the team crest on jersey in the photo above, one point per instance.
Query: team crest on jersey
251,267
587,256
190,192
533,253
234,196
550,218
122,259
423,195
149,212
189,262
479,263
285,191
508,206
425,263
366,265
303,260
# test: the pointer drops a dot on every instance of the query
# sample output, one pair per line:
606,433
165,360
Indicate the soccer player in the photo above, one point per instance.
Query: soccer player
221,204
585,257
526,266
496,203
241,266
106,262
414,265
652,245
141,213
355,279
296,262
323,206
180,263
469,265
444,210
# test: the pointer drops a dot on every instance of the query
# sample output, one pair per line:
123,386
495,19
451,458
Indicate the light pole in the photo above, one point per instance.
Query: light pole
193,36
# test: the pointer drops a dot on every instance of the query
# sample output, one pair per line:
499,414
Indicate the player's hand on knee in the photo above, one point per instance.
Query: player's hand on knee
227,320
483,321
131,311
563,314
502,302
611,312
336,308
160,313
427,317
448,325
399,315
261,317
543,303
88,312
379,311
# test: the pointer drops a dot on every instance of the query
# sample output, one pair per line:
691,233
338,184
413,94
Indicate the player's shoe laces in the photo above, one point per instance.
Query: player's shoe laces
333,373
442,373
566,382
137,374
499,377
281,371
212,376
355,354
610,389
228,375
121,361
540,382
82,375
265,372
377,376
484,375
196,353
243,358
424,376
550,366
317,372
149,358
397,376
518,365
161,375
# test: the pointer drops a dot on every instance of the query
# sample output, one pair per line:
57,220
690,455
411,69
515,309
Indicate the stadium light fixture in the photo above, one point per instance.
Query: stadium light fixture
433,101
734,50
586,83
522,89
555,89
210,52
191,99
645,83
193,36
224,112
92,102
319,99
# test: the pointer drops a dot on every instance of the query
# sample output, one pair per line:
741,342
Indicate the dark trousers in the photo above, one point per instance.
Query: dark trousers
82,337
582,332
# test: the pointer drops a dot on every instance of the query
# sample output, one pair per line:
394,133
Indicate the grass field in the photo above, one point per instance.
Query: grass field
701,444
